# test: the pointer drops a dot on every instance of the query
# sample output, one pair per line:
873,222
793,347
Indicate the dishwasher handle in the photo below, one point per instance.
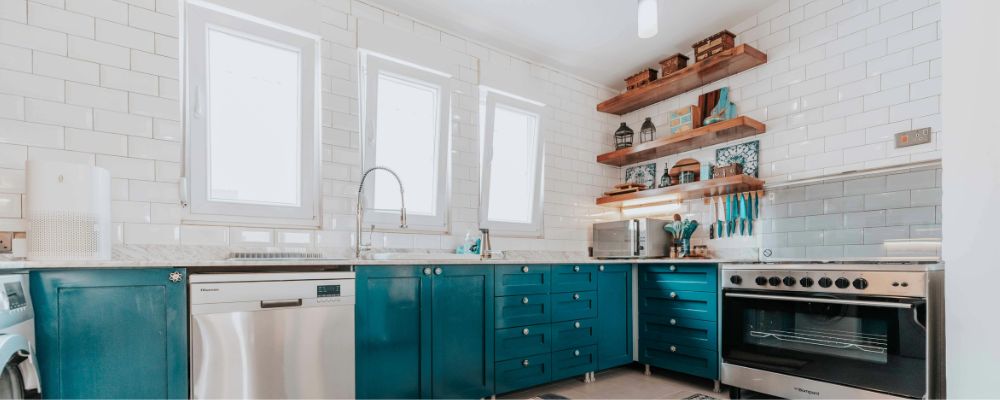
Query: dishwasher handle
280,303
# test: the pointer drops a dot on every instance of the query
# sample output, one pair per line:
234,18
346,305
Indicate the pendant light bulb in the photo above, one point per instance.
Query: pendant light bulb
647,19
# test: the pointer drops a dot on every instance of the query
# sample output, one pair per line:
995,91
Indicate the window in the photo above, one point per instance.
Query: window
251,114
511,198
406,130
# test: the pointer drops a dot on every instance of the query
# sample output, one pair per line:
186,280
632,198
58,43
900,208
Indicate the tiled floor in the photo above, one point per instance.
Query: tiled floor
626,383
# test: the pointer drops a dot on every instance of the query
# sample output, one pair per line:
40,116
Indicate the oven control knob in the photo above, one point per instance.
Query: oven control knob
861,283
843,283
806,282
736,279
761,280
825,282
789,281
774,281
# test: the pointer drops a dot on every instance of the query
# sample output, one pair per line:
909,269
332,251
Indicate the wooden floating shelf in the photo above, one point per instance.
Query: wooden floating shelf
686,191
719,132
726,63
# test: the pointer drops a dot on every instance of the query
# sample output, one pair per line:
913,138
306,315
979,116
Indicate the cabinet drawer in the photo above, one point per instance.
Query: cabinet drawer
574,361
687,359
574,305
523,341
679,330
697,305
689,277
574,333
520,373
521,279
573,278
529,309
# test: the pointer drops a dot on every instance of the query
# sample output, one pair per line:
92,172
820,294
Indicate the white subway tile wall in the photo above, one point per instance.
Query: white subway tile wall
842,77
854,218
96,81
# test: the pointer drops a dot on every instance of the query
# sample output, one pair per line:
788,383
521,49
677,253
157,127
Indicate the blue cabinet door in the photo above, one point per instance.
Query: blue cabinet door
111,333
462,331
679,277
614,315
529,309
393,329
574,278
522,279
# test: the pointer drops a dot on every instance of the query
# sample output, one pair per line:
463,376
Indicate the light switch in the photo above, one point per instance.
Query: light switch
913,138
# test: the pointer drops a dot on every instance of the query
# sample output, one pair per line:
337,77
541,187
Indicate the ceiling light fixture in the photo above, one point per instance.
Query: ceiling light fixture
647,19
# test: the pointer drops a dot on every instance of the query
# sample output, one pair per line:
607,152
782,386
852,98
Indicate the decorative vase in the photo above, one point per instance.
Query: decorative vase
647,131
623,137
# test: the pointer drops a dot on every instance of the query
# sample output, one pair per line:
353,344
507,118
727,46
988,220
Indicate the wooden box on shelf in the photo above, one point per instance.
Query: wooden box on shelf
641,79
713,45
727,170
673,64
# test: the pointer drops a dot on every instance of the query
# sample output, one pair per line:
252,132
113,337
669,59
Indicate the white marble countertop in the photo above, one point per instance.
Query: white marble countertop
291,263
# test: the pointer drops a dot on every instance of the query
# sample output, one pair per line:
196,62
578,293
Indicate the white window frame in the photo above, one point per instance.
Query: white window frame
491,99
372,65
198,17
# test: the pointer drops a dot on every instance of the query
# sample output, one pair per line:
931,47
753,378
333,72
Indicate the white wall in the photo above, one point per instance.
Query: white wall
971,192
841,78
96,82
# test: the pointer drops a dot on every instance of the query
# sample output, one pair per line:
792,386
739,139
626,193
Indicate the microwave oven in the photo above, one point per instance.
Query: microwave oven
632,238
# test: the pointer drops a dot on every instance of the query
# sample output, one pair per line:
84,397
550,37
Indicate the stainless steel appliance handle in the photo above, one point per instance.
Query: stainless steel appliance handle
867,303
634,237
280,303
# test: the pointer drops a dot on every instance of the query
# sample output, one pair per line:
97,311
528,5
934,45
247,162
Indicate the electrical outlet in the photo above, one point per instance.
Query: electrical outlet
913,138
6,240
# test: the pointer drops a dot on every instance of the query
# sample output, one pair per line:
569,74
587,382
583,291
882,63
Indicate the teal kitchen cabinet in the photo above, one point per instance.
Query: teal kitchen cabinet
462,344
111,333
614,315
678,318
425,332
393,328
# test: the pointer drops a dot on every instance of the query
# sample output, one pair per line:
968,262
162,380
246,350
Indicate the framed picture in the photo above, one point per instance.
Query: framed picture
746,154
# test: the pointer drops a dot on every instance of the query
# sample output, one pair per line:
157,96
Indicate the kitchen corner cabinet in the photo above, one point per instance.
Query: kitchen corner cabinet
614,315
118,333
425,331
678,318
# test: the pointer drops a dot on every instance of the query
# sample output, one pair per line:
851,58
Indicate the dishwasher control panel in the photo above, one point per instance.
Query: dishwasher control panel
327,291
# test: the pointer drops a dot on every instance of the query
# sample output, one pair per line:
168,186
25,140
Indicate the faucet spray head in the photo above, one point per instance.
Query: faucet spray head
402,218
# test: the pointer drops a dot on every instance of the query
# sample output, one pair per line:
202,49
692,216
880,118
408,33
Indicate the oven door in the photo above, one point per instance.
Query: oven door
873,344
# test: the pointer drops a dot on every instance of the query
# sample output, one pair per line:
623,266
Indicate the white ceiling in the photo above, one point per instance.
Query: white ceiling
593,39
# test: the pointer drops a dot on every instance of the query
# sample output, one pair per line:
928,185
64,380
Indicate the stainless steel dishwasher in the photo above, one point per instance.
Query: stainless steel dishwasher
272,335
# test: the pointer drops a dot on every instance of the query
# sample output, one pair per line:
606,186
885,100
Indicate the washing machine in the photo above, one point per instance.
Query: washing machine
19,376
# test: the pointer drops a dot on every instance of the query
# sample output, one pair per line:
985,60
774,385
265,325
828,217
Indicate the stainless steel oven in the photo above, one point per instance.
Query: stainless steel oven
832,330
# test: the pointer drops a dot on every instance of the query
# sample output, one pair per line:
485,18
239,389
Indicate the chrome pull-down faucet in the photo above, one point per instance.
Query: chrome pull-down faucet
361,209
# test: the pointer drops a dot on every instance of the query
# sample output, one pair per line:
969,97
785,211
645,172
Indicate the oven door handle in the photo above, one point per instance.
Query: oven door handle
867,303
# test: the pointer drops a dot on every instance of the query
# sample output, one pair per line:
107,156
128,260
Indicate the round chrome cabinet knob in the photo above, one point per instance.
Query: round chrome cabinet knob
843,283
806,282
736,279
825,282
861,283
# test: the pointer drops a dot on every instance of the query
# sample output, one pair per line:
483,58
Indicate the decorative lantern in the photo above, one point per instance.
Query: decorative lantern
647,131
623,137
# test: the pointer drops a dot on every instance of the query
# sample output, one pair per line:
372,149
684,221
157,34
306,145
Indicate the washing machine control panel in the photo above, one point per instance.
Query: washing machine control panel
15,296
